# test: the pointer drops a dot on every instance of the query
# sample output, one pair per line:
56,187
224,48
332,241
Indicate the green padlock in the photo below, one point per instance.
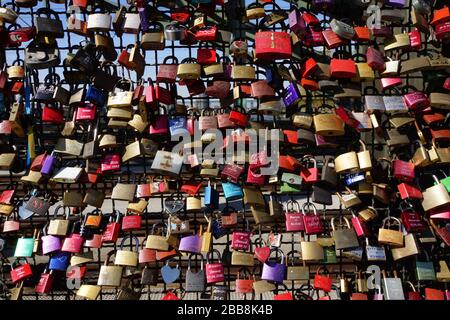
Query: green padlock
24,247
445,181
290,183
329,254
425,270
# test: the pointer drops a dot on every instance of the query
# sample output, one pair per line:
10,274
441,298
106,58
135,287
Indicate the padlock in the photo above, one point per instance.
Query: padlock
345,238
214,270
195,281
274,271
391,237
127,257
309,175
294,218
312,223
20,271
110,276
45,284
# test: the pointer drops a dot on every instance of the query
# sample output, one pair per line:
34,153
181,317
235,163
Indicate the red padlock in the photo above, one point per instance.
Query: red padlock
442,213
52,115
322,282
20,35
131,222
110,162
76,272
146,255
447,83
310,18
111,232
45,283
440,16
272,45
403,170
415,39
410,218
86,112
309,68
359,226
312,222
343,68
95,242
314,37
164,95
332,40
171,295
309,175
207,34
206,56
20,272
214,270
159,125
408,191
255,177
291,136
239,117
6,196
181,15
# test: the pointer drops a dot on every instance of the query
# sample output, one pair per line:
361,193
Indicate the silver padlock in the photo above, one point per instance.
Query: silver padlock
175,32
392,287
342,29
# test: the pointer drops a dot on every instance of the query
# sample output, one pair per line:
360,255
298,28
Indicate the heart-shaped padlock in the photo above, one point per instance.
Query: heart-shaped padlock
170,274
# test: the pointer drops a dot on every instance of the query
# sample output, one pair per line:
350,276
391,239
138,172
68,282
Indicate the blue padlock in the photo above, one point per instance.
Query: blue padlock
211,198
59,261
178,126
232,191
217,230
95,96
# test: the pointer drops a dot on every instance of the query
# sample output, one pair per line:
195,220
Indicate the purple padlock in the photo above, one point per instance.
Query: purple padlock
323,4
49,163
143,15
191,244
396,3
297,23
291,95
50,244
274,271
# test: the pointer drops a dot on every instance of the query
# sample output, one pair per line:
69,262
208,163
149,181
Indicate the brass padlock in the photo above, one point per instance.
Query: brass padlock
189,69
421,157
364,160
435,196
346,162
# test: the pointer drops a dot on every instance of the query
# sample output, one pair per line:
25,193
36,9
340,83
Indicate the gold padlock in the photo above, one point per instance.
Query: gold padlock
193,204
364,160
189,69
329,124
346,162
421,157
435,196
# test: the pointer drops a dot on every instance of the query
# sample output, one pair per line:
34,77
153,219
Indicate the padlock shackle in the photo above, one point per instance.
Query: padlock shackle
201,260
132,239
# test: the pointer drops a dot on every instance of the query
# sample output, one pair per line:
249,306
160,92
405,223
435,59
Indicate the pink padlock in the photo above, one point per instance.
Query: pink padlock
11,226
240,240
416,101
159,125
214,270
